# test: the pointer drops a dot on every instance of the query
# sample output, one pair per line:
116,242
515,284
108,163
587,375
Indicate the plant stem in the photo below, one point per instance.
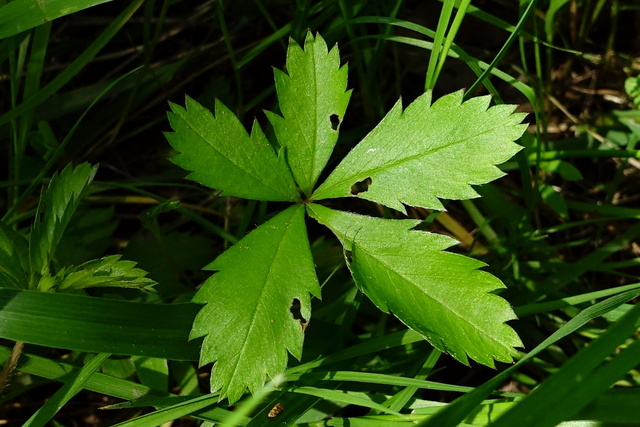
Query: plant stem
11,364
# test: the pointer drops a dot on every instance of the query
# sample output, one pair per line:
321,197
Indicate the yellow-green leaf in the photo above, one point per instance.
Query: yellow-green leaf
257,304
426,152
441,295
313,97
222,155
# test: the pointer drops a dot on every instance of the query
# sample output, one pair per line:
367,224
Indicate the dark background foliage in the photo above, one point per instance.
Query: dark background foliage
529,227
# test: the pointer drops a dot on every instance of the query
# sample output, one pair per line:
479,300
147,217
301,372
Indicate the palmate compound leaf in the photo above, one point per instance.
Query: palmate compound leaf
441,295
221,155
256,304
427,152
313,97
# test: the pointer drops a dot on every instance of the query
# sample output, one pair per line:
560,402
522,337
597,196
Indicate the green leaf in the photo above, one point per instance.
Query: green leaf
58,202
632,87
13,259
441,295
221,155
22,15
71,387
362,399
83,323
427,152
109,271
565,169
313,98
152,372
257,304
455,412
582,378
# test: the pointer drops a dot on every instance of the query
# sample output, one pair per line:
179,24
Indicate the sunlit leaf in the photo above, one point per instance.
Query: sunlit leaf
426,152
257,303
313,98
58,202
221,154
441,295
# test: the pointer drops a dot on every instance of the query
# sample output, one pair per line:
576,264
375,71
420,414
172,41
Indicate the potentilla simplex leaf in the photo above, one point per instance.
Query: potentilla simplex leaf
222,155
256,304
441,295
426,152
313,97
250,319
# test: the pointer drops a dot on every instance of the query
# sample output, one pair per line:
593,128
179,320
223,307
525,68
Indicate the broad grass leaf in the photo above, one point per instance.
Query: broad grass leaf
79,322
222,155
426,152
22,15
58,202
256,303
313,97
441,295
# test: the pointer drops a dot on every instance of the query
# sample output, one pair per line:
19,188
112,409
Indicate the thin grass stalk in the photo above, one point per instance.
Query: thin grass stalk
496,60
434,58
451,35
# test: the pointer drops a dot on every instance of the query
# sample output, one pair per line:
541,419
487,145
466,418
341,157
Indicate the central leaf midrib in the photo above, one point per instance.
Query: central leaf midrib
394,163
313,143
388,268
255,316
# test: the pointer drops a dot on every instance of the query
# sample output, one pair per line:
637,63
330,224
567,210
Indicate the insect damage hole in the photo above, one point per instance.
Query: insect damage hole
349,256
335,121
295,311
360,186
297,315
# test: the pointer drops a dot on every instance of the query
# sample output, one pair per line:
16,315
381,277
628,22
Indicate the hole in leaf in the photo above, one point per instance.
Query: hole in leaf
349,255
335,121
360,186
295,311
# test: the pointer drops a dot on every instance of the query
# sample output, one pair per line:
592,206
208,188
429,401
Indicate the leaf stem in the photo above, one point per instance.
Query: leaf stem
11,364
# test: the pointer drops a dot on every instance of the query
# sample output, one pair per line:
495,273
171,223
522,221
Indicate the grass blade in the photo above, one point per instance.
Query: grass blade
347,397
171,413
66,392
22,15
458,410
579,380
434,58
98,324
74,68
505,47
63,372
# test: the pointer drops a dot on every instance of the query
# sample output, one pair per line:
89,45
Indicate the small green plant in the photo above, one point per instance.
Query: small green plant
31,264
257,303
632,87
